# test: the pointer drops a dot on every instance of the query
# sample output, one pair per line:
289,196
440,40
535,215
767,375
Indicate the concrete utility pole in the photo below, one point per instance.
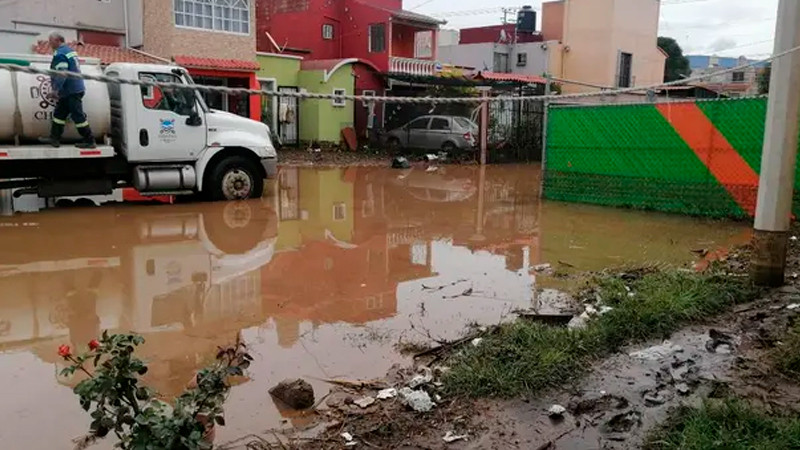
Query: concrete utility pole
776,186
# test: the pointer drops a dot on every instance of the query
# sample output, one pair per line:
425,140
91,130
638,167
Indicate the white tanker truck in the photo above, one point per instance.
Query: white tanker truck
158,141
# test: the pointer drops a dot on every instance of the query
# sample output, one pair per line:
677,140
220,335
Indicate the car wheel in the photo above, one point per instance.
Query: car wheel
235,178
394,144
449,148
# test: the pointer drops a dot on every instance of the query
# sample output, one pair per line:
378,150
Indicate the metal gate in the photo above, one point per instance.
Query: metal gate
289,117
516,130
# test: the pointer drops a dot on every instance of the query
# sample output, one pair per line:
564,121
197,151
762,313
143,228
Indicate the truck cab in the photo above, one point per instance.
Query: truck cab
160,140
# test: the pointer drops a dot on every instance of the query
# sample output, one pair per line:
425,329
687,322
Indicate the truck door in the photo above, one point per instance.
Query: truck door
171,124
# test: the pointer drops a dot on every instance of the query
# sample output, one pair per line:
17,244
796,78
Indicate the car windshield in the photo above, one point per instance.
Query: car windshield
465,123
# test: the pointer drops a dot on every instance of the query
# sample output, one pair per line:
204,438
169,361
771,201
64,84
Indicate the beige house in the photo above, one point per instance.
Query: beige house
608,43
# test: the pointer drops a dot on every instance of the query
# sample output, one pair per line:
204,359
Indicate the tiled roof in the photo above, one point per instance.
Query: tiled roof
217,64
105,53
510,77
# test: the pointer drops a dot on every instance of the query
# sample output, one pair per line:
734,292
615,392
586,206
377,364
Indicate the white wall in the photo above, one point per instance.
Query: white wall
448,37
14,41
87,13
135,23
479,56
538,57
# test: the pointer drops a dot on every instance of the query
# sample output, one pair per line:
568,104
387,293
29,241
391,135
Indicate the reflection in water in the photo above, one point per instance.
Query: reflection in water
320,278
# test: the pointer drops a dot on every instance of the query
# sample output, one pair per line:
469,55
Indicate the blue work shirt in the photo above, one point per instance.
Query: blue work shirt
65,58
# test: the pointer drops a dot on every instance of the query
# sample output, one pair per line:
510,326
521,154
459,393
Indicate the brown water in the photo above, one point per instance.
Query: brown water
321,278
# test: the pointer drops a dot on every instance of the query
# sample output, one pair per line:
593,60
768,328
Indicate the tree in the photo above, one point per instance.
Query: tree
677,66
763,79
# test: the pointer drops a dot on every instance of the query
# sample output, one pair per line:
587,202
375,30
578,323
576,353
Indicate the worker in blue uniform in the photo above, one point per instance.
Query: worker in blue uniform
68,93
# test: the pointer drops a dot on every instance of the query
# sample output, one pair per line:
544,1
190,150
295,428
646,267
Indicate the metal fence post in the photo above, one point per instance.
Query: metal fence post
484,139
548,86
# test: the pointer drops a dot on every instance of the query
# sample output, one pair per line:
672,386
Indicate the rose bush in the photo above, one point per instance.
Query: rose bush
117,401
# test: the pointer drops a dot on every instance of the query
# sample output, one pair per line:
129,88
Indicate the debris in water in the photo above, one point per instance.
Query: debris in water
476,342
297,394
421,379
400,163
387,394
450,437
419,401
365,402
542,268
657,352
556,411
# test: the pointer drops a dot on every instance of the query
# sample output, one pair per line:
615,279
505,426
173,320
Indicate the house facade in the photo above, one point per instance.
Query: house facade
732,84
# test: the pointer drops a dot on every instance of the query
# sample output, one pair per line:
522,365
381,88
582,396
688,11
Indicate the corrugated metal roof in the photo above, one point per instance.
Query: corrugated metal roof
217,64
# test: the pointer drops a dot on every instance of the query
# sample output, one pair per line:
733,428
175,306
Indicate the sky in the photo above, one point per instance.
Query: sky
722,27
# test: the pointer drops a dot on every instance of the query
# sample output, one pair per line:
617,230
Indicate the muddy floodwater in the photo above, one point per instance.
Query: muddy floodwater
321,278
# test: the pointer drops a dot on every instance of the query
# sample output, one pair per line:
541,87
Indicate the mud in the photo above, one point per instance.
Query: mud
322,278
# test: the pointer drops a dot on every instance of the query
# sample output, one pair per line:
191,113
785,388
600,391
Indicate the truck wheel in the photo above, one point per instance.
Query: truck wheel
237,227
234,178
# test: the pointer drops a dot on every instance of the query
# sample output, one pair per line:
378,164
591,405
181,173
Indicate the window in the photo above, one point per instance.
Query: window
738,77
377,38
522,59
327,32
419,124
231,16
625,69
339,212
179,101
501,63
339,102
440,124
466,123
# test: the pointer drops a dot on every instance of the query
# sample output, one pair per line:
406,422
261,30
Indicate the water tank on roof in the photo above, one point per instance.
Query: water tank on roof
526,20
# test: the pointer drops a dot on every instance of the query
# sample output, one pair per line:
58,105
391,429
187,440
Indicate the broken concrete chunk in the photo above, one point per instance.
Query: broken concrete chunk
387,394
297,394
419,401
365,402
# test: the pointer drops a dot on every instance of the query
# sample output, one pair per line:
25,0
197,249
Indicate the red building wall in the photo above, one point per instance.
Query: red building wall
482,35
356,39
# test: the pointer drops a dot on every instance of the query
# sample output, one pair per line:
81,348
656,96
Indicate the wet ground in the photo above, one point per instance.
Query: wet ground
322,278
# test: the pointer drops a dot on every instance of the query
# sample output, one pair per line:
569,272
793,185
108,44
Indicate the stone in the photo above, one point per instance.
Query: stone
556,411
419,401
297,394
387,394
654,399
365,402
683,389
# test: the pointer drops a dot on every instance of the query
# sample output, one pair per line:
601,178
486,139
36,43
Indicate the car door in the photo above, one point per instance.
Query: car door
170,121
417,130
439,133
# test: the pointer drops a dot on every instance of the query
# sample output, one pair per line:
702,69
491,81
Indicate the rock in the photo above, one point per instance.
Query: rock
400,163
657,352
297,394
556,411
450,437
387,394
683,389
419,401
654,399
724,349
365,402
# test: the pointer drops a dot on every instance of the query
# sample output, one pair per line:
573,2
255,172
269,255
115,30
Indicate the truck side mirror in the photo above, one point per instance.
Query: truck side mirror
194,120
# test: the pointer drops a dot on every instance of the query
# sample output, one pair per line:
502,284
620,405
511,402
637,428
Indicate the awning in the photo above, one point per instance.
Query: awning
193,62
510,78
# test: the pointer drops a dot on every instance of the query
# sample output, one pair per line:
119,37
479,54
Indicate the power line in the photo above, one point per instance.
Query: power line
475,12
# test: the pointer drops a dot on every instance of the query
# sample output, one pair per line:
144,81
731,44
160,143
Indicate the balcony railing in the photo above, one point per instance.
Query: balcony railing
410,66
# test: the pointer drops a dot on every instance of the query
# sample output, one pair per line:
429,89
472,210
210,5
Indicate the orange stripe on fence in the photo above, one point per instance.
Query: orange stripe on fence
718,155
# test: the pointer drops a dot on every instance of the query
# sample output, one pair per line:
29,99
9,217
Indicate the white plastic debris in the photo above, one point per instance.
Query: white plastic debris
348,439
793,306
556,411
542,267
421,379
657,352
793,238
419,401
387,394
365,402
605,310
579,322
450,437
476,342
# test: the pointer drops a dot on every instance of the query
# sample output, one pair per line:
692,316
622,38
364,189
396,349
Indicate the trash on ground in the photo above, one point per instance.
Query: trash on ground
365,402
542,267
387,394
476,342
720,342
297,394
421,379
349,441
556,411
419,401
657,352
793,306
452,437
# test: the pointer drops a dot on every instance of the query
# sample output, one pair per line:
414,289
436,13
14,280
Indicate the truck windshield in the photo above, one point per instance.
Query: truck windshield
200,98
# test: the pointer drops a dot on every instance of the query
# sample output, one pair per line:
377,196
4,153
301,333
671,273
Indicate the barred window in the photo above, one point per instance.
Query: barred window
231,16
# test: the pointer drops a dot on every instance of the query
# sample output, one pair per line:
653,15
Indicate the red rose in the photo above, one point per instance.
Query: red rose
94,344
64,351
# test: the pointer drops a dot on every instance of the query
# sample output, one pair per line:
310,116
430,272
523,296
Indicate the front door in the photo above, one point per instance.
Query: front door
165,131
288,117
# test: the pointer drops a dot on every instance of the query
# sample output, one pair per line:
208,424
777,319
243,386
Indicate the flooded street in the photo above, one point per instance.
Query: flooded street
321,278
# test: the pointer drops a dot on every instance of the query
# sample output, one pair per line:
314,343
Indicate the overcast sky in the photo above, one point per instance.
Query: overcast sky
722,27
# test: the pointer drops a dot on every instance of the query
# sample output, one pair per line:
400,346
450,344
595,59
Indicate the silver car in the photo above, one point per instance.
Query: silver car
446,133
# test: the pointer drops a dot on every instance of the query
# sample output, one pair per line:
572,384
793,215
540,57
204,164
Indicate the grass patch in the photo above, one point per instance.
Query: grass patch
787,356
730,425
524,357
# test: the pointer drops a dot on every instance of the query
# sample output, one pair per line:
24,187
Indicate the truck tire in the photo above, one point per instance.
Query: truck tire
234,178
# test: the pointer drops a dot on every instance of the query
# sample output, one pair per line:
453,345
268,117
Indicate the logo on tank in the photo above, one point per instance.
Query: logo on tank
41,93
